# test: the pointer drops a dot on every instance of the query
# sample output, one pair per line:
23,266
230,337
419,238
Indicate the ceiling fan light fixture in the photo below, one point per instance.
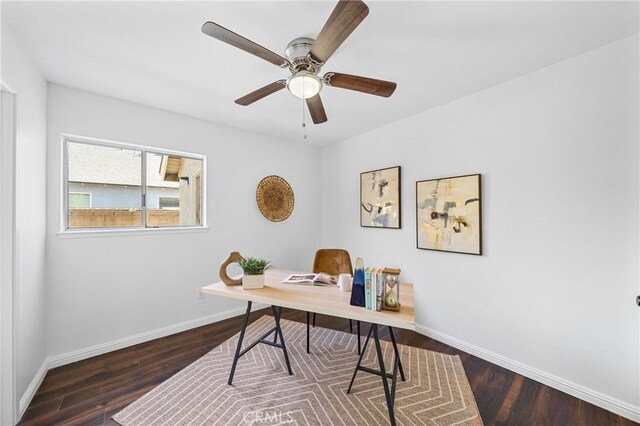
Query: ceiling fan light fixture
304,85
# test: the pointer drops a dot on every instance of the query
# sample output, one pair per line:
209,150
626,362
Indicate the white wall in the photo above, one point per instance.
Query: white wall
22,76
103,289
555,289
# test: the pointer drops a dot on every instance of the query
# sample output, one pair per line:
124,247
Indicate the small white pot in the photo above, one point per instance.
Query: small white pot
252,281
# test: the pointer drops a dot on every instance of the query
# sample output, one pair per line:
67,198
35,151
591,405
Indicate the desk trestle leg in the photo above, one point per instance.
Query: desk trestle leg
263,339
383,373
395,349
276,315
364,349
237,355
389,391
275,335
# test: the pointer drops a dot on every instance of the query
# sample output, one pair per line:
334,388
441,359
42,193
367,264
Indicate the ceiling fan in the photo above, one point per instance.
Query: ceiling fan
305,57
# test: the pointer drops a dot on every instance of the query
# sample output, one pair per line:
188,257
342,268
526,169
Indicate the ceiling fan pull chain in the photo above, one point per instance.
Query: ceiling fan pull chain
304,124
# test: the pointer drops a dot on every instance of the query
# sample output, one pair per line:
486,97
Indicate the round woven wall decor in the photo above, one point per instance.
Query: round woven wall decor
275,198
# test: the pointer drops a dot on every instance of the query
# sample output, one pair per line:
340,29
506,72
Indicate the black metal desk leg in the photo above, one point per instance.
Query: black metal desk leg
397,353
276,315
307,332
385,383
358,326
366,342
394,380
237,355
275,335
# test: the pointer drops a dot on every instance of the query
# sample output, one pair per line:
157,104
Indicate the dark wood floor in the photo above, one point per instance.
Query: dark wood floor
89,392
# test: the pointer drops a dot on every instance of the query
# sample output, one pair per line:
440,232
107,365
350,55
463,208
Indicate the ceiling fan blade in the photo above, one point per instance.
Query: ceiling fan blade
316,109
360,84
256,95
346,16
221,33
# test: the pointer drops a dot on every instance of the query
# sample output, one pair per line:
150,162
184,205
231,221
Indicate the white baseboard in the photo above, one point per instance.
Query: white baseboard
614,405
70,357
26,398
103,348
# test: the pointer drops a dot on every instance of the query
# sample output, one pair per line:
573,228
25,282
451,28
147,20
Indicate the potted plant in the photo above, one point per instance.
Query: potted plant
253,269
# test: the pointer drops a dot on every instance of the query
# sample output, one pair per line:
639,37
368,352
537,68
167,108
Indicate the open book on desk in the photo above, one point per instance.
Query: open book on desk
312,279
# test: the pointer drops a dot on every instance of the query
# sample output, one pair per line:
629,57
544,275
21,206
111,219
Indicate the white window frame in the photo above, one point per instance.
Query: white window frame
66,231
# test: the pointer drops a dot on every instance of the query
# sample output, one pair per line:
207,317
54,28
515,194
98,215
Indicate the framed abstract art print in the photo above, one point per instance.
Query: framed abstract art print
380,198
449,214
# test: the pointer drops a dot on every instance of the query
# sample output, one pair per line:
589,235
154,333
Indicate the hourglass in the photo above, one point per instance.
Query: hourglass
391,289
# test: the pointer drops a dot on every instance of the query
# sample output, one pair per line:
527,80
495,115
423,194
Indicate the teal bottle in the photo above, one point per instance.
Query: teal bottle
357,291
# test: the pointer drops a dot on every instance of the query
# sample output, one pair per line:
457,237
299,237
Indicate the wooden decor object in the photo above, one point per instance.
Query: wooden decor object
275,198
234,256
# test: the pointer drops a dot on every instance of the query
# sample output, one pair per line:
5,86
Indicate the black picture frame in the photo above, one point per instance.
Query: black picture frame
368,215
433,216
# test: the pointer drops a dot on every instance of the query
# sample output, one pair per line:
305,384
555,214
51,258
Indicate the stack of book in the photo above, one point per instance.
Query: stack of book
374,288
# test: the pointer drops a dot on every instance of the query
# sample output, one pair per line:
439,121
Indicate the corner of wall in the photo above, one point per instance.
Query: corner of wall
20,72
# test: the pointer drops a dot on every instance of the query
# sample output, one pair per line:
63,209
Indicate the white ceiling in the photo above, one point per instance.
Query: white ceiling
154,53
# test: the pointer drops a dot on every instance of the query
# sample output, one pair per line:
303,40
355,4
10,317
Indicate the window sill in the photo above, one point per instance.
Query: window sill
130,232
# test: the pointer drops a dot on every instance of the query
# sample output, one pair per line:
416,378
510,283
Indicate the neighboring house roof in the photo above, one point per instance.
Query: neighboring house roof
115,166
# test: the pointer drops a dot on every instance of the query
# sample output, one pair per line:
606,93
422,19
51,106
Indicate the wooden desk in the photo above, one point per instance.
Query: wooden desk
323,300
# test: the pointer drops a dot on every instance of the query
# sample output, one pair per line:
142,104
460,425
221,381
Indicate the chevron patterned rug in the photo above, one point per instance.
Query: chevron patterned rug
436,391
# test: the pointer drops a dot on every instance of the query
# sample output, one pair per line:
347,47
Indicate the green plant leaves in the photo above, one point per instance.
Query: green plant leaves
254,265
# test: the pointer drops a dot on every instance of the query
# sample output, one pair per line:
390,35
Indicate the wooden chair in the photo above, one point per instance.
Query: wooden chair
333,262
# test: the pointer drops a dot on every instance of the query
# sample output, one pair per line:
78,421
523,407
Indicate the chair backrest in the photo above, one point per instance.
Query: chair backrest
332,261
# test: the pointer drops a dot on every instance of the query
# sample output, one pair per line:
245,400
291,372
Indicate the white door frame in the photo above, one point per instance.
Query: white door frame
8,125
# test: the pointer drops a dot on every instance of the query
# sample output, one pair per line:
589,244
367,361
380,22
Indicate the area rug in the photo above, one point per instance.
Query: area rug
436,390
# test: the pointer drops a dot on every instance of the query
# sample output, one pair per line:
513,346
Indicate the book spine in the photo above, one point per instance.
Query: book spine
379,290
373,291
367,288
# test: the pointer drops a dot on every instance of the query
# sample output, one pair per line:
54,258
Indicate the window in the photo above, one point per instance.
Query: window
169,203
79,200
109,185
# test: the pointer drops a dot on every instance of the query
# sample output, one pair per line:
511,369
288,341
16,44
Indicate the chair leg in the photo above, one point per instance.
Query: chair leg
358,326
350,326
314,319
307,332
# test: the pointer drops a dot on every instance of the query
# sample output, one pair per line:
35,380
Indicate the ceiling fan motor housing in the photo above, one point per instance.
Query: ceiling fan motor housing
297,51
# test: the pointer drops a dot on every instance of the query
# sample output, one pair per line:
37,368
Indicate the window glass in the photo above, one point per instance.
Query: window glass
79,200
114,185
173,190
169,203
103,185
